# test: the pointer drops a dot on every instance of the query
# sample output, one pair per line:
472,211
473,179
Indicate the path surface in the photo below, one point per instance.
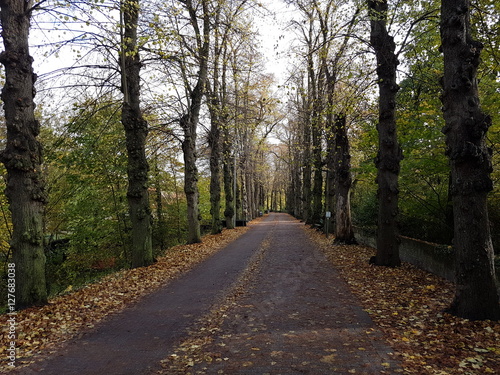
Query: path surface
296,316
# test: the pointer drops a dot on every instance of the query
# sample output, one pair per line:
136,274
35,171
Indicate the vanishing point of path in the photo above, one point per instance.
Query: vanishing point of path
295,315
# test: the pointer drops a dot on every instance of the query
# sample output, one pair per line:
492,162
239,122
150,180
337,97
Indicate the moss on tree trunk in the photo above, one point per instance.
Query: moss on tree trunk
22,157
465,128
136,131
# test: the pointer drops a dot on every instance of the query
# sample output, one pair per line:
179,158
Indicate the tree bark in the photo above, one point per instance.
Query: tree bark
330,177
189,123
216,108
316,133
228,169
136,131
22,157
344,232
160,228
389,155
215,163
477,296
307,130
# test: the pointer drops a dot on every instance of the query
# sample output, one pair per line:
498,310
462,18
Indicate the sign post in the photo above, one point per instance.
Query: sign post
328,215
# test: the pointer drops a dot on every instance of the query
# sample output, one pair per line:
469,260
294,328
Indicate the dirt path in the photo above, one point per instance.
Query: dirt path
295,316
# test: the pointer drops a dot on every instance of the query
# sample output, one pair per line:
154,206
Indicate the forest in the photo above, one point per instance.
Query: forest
132,126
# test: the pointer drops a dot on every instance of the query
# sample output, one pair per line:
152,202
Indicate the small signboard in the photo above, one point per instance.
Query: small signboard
328,214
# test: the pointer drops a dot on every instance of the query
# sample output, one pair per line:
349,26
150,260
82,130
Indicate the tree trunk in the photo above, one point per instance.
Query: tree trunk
136,131
344,232
307,172
331,152
317,192
215,183
389,155
160,234
189,123
22,157
477,295
316,132
244,192
228,169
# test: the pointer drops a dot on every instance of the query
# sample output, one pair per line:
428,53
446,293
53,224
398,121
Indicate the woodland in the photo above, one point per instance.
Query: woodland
132,126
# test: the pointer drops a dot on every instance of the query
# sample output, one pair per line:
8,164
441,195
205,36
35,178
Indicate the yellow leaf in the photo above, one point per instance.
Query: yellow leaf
328,358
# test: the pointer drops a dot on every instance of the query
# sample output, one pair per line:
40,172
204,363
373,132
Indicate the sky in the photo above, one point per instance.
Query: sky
276,38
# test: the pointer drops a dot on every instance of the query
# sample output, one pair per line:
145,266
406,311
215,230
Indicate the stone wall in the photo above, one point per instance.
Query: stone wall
434,258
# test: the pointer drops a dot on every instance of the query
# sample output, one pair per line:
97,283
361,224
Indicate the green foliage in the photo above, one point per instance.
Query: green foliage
364,205
425,209
86,166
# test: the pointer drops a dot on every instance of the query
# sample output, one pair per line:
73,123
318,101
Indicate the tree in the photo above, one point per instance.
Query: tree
466,126
85,161
339,156
225,21
217,119
136,131
189,121
344,231
22,155
389,155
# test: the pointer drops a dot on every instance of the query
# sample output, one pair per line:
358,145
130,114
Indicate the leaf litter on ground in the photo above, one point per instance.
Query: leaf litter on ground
408,304
40,331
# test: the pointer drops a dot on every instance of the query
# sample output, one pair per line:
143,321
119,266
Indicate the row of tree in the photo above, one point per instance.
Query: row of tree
332,99
144,78
152,81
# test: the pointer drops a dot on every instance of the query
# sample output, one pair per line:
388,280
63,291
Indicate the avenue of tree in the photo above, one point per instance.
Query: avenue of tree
158,123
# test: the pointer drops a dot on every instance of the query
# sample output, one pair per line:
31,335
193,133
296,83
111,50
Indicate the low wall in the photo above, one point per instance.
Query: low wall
434,258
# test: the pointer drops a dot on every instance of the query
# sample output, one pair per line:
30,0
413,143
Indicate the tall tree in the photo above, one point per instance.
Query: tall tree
389,154
217,116
22,155
466,126
338,154
225,20
344,231
136,131
189,121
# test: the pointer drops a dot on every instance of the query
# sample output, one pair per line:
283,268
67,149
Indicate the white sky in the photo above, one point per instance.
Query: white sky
275,41
276,38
